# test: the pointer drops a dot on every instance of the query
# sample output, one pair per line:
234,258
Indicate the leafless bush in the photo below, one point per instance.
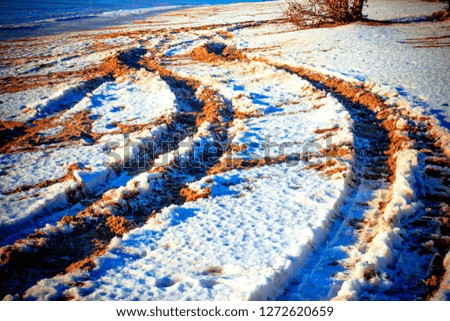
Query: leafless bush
319,12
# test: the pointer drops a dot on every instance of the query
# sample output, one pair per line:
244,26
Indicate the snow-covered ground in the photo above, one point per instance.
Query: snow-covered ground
219,153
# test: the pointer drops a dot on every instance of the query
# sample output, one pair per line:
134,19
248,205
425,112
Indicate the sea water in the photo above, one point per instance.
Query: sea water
24,18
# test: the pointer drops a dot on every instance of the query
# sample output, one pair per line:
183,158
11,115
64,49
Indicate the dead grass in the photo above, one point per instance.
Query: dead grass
429,42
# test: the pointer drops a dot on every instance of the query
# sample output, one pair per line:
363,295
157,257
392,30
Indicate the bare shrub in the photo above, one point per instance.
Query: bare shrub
320,12
447,1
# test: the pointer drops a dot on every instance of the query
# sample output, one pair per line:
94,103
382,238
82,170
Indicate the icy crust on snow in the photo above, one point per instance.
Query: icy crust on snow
239,244
413,61
140,99
25,106
276,98
246,239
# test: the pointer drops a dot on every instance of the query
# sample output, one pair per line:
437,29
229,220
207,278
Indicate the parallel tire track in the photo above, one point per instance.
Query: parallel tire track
76,240
383,134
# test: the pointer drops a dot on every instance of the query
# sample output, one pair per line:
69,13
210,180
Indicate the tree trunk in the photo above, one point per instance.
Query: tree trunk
357,9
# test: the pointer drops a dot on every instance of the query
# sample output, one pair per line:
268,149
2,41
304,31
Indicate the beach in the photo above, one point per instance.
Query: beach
221,153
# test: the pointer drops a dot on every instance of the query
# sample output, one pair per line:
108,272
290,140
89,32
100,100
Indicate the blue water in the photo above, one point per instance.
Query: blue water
24,18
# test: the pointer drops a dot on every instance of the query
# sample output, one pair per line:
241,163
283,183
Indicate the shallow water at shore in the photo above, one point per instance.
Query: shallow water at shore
30,18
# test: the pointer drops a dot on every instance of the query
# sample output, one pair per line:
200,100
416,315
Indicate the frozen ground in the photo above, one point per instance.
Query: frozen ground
218,153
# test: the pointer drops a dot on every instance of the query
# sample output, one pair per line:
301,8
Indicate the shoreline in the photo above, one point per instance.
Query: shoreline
87,23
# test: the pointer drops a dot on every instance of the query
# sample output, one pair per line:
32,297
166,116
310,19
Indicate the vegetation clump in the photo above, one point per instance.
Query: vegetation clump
316,13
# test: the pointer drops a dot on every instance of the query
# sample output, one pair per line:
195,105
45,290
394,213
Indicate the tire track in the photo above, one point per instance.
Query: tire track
75,241
371,170
176,128
386,137
77,128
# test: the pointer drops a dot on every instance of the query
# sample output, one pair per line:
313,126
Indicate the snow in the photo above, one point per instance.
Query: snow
257,226
280,98
239,245
397,55
140,100
258,240
35,103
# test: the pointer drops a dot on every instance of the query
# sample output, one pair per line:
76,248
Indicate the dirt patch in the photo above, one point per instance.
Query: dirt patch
9,130
119,225
328,167
69,176
326,130
127,129
214,110
229,164
244,115
154,66
213,270
191,195
438,161
331,165
224,34
238,148
213,52
112,66
75,128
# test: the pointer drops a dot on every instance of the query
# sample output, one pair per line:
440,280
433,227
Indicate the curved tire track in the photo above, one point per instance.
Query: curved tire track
74,241
384,132
381,133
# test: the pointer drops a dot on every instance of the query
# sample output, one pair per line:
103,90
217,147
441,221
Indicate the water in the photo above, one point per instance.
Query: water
24,18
